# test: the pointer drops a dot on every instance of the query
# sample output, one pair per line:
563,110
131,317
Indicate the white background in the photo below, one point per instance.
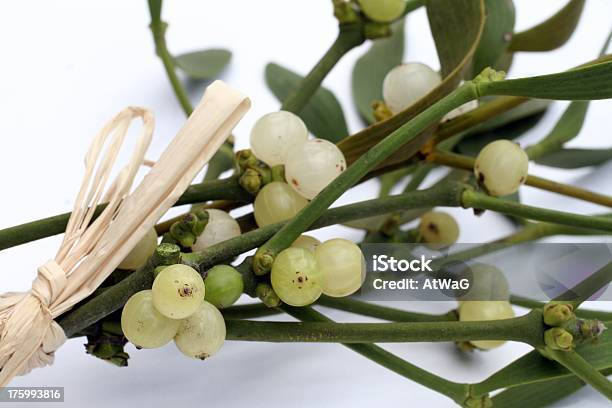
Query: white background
68,66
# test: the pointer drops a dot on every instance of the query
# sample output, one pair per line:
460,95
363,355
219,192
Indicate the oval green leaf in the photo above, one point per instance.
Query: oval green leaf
499,26
534,368
551,33
537,395
323,114
206,64
575,158
446,19
567,128
371,68
508,125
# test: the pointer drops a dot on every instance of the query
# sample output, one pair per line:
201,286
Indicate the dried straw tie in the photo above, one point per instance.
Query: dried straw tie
90,251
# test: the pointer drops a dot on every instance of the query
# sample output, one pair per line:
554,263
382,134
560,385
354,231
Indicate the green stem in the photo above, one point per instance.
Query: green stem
581,313
588,287
254,310
481,114
370,160
467,163
249,311
452,390
382,312
115,296
158,29
587,373
529,232
46,227
526,329
349,37
473,199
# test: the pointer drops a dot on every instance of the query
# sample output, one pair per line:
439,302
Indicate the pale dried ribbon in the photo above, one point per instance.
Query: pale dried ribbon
90,251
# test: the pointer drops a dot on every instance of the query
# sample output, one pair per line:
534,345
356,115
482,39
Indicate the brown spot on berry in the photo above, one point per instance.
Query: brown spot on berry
294,182
185,291
300,279
433,227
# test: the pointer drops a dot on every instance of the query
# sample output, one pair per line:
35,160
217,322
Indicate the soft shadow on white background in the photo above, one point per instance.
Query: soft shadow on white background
68,66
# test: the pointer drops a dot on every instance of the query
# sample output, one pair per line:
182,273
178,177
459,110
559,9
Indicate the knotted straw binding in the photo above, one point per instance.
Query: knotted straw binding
90,250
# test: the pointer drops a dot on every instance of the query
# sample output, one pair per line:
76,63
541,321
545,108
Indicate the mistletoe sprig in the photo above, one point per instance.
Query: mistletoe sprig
406,136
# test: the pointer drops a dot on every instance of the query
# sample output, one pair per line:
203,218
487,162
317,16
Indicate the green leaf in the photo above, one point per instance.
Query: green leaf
323,114
465,16
534,368
588,82
499,26
551,33
567,128
206,64
575,158
446,19
371,68
537,395
524,110
472,145
509,125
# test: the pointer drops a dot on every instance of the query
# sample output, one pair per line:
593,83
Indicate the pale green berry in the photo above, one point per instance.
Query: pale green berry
143,250
220,227
295,277
438,229
275,134
277,202
143,325
202,334
312,166
407,83
342,267
471,311
501,167
486,283
383,11
306,242
224,285
178,291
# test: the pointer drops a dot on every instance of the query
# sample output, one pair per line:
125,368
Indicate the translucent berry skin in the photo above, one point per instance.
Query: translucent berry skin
407,83
275,134
438,229
202,334
485,310
295,277
486,283
277,202
306,242
224,285
383,11
178,291
143,250
342,267
143,325
220,227
501,167
312,166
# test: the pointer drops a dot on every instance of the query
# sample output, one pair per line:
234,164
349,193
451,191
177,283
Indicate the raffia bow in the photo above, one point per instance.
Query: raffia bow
91,250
